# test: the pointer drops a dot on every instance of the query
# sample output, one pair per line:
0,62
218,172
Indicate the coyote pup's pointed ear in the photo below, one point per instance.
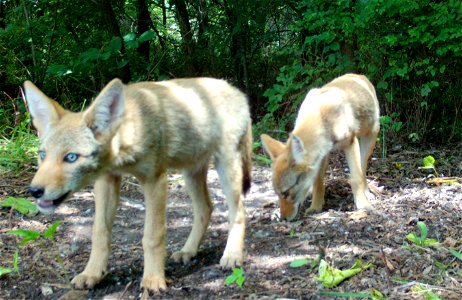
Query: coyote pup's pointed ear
43,110
104,116
297,149
272,147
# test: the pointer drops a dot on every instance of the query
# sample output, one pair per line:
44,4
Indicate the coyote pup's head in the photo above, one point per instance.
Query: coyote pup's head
294,171
73,146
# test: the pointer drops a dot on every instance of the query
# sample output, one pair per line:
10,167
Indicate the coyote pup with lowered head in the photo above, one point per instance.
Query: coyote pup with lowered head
343,114
143,129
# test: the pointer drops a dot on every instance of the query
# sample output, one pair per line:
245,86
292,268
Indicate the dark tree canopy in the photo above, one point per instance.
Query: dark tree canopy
273,50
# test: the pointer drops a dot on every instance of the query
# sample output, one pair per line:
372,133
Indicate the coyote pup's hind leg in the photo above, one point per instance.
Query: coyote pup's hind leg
358,175
196,184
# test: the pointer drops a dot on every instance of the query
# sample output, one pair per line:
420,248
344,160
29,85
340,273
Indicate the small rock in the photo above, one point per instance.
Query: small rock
46,290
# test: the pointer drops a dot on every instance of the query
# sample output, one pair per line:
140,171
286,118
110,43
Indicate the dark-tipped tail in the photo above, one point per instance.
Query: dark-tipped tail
245,147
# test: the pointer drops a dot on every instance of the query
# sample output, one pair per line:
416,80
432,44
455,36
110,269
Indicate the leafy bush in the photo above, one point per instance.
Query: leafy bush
409,49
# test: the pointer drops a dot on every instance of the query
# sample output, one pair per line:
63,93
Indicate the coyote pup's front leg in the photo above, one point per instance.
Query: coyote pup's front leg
107,189
155,193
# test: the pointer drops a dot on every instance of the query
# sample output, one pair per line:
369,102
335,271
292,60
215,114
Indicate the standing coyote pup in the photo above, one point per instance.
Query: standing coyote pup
143,129
343,114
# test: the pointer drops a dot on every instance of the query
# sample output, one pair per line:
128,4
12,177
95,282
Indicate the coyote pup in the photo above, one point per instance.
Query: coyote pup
143,129
343,114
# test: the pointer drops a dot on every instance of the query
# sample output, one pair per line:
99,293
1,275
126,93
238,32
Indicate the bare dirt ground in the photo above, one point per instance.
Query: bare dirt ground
339,233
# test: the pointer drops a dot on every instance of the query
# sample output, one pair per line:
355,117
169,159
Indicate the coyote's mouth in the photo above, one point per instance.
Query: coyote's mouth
47,204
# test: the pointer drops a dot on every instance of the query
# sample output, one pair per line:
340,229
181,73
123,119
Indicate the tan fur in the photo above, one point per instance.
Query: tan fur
343,114
144,129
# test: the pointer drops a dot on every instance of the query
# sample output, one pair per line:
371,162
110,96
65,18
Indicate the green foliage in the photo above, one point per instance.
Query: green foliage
27,237
275,51
236,277
4,271
429,295
34,235
297,263
456,253
22,205
428,162
331,277
389,126
422,239
19,149
407,49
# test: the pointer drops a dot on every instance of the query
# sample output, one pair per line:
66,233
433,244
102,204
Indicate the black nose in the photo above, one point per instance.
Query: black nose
36,192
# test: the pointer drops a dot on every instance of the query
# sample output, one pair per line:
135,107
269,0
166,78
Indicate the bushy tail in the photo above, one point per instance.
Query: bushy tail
245,148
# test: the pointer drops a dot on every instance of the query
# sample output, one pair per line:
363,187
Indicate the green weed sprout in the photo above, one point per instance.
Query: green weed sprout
313,263
28,236
33,235
237,277
422,239
428,163
429,295
456,253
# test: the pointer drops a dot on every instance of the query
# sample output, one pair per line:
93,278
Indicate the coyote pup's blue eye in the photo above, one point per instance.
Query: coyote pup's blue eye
71,157
42,154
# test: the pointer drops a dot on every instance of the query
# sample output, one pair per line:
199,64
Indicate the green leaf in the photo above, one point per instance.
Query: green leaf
28,235
58,70
422,239
237,276
132,44
122,63
15,261
299,263
238,271
115,44
131,36
423,230
413,238
230,279
429,295
50,232
456,253
4,271
428,162
331,277
146,36
90,55
240,281
23,205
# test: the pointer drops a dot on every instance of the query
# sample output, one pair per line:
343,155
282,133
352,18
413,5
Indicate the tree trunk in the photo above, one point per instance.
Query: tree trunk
113,29
143,23
182,17
238,25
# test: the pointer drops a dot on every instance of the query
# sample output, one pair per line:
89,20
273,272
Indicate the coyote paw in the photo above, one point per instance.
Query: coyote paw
231,260
154,284
370,196
183,256
366,206
312,210
85,281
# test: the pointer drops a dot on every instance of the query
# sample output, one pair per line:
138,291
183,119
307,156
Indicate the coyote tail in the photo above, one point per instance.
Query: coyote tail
245,149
